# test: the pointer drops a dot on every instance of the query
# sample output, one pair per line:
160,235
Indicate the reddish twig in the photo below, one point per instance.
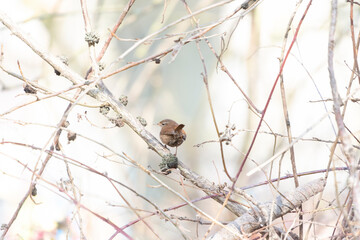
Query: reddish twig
270,95
77,203
170,209
113,31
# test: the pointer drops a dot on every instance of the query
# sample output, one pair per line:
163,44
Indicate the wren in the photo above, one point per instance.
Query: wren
172,134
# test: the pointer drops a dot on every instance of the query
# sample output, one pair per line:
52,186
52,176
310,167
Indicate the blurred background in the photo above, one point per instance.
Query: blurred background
172,89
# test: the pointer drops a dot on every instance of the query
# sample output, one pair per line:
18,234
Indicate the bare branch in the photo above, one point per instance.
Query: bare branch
252,220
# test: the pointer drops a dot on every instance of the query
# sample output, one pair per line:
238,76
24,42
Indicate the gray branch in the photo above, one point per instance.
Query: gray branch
254,220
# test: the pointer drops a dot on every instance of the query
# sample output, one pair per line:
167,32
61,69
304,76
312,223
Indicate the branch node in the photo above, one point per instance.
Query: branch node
29,89
124,100
3,226
142,121
101,66
104,109
119,122
64,60
34,191
168,161
71,136
92,38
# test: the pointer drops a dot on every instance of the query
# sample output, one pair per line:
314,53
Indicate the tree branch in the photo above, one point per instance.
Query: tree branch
254,219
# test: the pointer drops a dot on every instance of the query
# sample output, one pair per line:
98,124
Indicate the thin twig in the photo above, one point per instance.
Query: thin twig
286,115
355,50
270,95
343,136
122,56
113,31
205,80
182,197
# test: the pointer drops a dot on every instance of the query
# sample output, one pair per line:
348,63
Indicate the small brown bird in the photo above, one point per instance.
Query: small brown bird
172,134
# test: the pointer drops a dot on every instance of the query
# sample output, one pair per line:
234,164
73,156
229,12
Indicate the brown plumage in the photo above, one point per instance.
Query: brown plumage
172,134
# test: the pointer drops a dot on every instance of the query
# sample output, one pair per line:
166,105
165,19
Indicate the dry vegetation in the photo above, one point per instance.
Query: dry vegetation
80,140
